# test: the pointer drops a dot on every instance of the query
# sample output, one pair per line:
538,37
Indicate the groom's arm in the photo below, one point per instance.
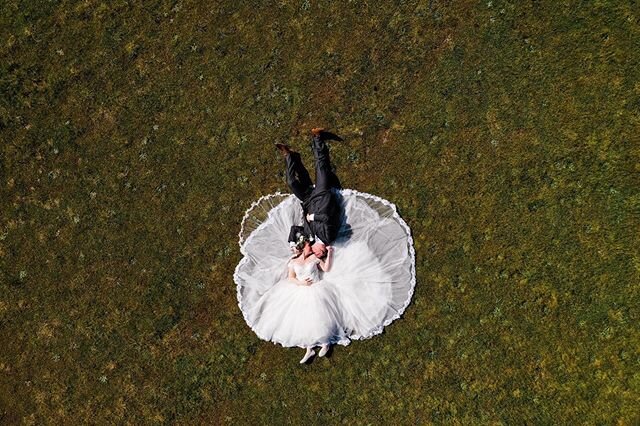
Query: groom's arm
322,208
294,234
318,217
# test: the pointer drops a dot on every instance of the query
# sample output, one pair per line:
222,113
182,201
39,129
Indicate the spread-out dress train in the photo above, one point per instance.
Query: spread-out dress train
370,283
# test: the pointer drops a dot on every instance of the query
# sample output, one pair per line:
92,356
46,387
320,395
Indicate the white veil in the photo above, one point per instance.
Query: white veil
374,262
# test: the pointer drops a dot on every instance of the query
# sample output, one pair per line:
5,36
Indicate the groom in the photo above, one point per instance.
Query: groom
319,204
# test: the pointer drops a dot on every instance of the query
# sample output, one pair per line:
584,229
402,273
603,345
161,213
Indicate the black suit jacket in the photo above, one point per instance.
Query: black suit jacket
326,212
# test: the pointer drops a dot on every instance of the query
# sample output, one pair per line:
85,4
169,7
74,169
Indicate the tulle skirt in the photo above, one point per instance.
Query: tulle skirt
369,285
296,315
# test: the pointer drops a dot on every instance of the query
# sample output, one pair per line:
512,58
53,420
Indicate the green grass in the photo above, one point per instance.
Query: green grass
135,134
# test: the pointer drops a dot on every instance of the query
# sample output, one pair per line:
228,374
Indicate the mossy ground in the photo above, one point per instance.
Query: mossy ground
135,134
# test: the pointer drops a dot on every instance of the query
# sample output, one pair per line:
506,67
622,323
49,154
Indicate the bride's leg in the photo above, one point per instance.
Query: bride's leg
310,352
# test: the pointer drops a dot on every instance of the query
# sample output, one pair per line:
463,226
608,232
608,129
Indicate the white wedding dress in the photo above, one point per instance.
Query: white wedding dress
299,315
369,285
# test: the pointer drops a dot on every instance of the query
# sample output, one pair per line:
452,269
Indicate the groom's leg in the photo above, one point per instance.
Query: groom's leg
325,178
297,176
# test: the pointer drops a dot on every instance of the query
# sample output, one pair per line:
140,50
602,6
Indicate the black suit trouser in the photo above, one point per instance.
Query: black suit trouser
325,178
298,177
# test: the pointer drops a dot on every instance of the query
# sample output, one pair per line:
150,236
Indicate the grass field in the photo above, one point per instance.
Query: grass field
135,134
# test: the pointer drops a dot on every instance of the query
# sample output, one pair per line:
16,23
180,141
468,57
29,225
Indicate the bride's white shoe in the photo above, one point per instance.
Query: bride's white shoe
324,350
310,352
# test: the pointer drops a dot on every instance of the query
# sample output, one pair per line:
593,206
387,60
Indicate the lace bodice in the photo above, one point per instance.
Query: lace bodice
308,269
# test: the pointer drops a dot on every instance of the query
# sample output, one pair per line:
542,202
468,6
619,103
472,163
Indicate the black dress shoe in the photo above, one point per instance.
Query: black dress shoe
325,135
328,136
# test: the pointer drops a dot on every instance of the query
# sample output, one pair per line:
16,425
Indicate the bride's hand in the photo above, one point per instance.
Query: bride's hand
307,281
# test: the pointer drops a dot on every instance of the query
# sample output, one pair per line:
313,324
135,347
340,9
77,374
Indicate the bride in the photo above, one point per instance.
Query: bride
303,309
365,283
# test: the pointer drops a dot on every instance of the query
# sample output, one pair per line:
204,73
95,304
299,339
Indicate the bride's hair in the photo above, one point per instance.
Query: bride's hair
302,240
301,244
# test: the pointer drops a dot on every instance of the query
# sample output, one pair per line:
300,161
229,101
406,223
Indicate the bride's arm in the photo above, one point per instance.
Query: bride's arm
326,264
